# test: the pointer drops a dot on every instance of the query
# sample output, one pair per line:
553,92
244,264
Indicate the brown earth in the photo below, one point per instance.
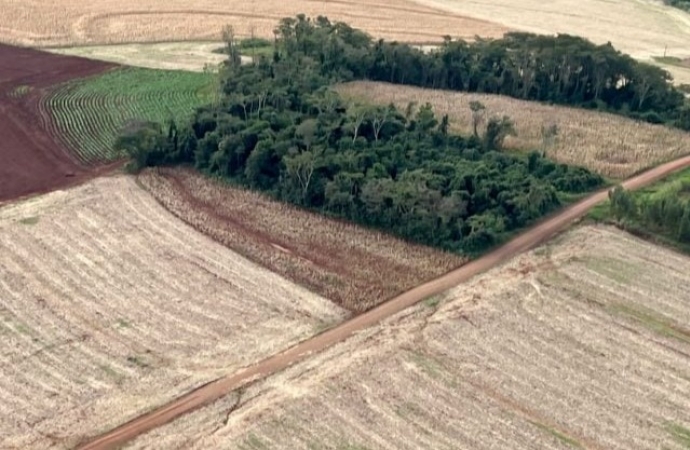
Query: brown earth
307,248
33,160
222,386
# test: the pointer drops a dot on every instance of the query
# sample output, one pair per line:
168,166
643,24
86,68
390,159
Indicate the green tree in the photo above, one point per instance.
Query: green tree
497,130
622,203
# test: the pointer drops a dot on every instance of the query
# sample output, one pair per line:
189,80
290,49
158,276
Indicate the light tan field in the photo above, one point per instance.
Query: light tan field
641,28
75,22
352,266
189,56
605,143
109,306
582,343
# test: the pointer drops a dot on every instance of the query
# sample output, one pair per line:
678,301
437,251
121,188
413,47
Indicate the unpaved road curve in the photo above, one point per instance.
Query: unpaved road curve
218,388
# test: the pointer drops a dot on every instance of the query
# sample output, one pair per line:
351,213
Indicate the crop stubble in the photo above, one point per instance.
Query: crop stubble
352,266
578,344
109,305
605,143
71,22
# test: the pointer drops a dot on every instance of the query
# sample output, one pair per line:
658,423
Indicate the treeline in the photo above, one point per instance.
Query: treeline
666,212
681,4
278,128
563,69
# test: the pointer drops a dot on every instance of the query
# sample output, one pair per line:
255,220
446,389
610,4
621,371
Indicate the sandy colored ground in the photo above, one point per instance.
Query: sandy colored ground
308,248
75,22
608,144
190,56
582,343
641,28
109,306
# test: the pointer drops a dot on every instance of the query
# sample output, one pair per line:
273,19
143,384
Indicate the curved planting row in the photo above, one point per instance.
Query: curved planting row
89,113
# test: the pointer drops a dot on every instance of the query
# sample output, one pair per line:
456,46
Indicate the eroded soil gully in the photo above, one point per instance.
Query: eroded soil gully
218,388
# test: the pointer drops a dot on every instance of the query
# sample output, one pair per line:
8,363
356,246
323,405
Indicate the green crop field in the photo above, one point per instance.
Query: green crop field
89,113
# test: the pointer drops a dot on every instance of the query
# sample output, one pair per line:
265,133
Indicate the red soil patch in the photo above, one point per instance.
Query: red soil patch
32,160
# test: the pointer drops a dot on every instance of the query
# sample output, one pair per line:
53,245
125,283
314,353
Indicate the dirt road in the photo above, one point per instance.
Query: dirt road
218,388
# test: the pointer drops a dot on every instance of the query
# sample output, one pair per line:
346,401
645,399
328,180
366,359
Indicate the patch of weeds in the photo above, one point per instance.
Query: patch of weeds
349,446
21,328
613,268
428,365
112,373
137,361
652,321
122,323
254,443
20,91
680,433
557,434
433,301
29,220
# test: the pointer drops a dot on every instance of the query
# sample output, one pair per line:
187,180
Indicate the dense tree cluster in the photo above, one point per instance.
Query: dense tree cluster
278,128
563,69
666,212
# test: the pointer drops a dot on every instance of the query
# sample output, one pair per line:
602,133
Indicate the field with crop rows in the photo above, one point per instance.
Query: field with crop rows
109,306
90,113
352,266
75,22
605,143
582,343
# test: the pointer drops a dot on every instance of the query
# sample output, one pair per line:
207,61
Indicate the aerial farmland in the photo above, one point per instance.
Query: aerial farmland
344,225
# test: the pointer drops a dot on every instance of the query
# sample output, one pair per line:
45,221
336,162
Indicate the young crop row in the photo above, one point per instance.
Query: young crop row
89,113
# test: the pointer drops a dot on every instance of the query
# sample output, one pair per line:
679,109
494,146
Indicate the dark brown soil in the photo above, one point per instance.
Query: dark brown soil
32,160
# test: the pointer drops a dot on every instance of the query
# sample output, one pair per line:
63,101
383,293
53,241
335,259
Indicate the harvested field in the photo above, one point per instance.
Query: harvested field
32,159
109,306
189,56
354,267
641,28
582,343
70,22
605,143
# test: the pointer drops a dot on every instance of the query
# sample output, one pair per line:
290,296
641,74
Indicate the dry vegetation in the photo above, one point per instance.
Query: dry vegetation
190,56
74,22
582,343
109,305
641,28
355,267
608,144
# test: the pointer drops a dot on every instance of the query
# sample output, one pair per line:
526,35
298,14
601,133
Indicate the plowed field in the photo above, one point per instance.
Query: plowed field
582,343
308,248
31,159
109,306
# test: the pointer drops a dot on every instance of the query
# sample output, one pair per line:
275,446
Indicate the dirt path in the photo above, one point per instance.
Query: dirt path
218,388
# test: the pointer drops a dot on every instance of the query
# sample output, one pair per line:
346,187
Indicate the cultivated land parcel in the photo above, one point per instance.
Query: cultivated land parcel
111,306
581,343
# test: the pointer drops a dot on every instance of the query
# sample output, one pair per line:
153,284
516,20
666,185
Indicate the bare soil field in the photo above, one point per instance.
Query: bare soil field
605,143
581,343
32,158
641,28
352,266
109,306
71,22
189,56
